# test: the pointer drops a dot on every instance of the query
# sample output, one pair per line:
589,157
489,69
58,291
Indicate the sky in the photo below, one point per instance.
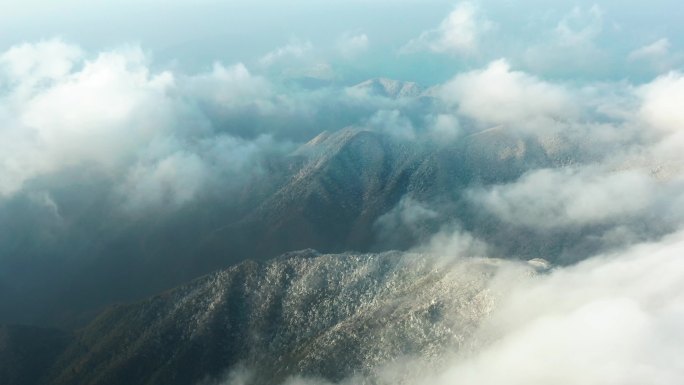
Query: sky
555,39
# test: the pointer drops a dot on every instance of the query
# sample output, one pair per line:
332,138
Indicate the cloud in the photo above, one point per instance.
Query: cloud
424,229
174,172
452,242
231,88
657,49
444,128
156,134
405,224
168,182
460,33
609,320
296,60
613,319
581,26
551,198
610,153
350,45
393,123
499,95
101,112
661,100
33,65
295,49
658,56
572,46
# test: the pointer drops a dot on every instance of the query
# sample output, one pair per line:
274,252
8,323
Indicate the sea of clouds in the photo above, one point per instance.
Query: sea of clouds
160,139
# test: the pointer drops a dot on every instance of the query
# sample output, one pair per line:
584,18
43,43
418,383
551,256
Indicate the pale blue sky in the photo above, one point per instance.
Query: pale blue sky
193,34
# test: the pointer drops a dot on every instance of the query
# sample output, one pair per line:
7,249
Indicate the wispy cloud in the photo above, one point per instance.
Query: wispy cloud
293,50
352,44
497,95
460,33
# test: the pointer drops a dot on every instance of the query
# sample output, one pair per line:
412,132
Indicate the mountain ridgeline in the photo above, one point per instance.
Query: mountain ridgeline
324,316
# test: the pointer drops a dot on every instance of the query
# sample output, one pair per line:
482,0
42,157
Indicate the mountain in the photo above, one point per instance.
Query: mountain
329,194
350,178
304,313
389,88
347,181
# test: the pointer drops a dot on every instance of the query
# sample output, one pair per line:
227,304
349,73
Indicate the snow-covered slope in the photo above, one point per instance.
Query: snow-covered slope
300,314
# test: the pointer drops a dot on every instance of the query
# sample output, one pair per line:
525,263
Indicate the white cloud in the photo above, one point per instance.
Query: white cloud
459,33
452,243
614,319
297,59
393,123
662,102
657,49
175,171
147,130
406,222
350,45
610,320
170,182
657,55
444,128
571,47
33,64
661,116
567,197
231,88
408,212
102,112
293,50
580,26
499,95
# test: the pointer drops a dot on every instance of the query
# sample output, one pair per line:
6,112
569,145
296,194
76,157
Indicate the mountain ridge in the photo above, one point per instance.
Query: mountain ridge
303,313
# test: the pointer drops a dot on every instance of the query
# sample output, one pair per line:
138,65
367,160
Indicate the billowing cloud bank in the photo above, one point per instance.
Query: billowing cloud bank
63,109
612,320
